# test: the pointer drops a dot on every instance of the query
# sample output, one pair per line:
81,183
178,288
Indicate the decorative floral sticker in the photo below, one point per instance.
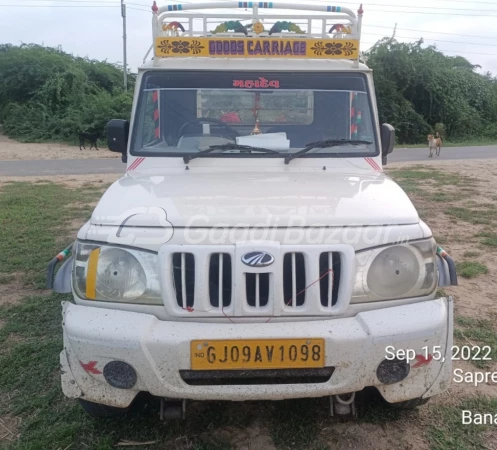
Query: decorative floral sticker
180,47
349,49
164,46
333,48
177,47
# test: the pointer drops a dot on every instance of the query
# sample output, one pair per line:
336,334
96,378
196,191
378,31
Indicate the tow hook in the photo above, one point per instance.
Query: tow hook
172,409
343,405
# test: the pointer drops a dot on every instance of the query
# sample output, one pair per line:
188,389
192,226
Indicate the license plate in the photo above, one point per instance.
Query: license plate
257,354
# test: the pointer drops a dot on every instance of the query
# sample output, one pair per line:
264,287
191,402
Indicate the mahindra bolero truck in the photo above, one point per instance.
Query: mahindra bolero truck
254,248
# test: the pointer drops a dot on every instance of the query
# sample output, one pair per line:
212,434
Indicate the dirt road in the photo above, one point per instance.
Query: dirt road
18,159
11,150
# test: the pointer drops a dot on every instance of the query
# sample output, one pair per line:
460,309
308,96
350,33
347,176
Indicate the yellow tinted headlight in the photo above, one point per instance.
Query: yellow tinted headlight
116,274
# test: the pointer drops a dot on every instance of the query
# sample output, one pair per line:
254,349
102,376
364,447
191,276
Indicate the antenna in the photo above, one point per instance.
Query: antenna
125,63
394,31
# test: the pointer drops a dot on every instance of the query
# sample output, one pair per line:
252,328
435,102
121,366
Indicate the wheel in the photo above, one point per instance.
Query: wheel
410,404
99,410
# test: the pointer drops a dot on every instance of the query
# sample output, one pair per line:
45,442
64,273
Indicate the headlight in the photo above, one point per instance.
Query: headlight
396,271
115,274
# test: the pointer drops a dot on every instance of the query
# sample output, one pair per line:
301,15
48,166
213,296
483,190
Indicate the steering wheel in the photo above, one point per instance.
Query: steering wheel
231,132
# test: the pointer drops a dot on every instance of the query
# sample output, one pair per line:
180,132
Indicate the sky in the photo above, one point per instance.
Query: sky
456,27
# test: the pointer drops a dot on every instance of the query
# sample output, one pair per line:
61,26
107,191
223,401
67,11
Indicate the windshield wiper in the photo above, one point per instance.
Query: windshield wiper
223,147
324,144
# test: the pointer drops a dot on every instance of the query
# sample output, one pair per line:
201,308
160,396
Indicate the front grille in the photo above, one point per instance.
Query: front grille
247,377
220,282
294,279
212,281
330,267
184,279
257,287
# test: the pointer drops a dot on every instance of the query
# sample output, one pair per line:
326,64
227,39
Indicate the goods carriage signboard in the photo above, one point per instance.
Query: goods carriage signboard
256,48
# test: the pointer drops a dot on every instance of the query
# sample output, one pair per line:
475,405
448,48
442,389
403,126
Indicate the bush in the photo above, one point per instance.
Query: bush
47,94
60,95
421,89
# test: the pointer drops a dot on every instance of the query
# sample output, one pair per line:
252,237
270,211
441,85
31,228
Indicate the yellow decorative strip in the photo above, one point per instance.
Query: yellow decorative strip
91,278
256,48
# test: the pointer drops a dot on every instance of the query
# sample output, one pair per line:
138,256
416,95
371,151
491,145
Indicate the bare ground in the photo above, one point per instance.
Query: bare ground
13,292
9,426
72,181
11,150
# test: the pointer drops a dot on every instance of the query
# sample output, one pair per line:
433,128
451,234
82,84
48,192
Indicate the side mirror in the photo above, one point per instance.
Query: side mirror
117,137
387,141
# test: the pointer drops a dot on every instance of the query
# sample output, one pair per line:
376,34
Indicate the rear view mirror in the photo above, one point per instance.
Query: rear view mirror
387,141
117,137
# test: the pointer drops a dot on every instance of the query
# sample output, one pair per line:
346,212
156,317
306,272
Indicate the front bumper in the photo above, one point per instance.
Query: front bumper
158,350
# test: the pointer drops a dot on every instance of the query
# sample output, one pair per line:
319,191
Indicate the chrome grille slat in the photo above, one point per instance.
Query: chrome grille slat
220,280
330,264
294,281
183,278
183,281
220,284
257,291
330,280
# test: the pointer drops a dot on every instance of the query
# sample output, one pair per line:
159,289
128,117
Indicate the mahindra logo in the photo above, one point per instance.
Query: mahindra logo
257,259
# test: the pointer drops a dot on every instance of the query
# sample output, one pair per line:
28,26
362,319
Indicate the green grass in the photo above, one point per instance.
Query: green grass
413,174
441,293
294,423
420,181
471,254
476,216
31,219
441,197
477,332
489,238
441,240
471,269
410,187
417,178
74,142
446,431
6,278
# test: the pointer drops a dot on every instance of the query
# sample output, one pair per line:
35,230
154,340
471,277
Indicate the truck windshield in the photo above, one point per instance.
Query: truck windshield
181,113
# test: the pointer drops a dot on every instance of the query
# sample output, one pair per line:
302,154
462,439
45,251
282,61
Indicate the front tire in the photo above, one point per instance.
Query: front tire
410,404
99,410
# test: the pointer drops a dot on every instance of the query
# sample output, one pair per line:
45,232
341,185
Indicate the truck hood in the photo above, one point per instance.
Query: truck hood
254,200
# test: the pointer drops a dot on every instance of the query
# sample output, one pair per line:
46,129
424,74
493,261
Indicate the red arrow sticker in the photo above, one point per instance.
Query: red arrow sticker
90,367
422,361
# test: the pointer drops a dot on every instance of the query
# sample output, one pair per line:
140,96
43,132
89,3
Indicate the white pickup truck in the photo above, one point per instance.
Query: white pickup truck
254,248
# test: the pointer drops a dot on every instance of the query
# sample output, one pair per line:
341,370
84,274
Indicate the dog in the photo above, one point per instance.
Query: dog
434,143
91,137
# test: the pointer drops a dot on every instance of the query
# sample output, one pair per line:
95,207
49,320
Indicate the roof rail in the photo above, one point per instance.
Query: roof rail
298,31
